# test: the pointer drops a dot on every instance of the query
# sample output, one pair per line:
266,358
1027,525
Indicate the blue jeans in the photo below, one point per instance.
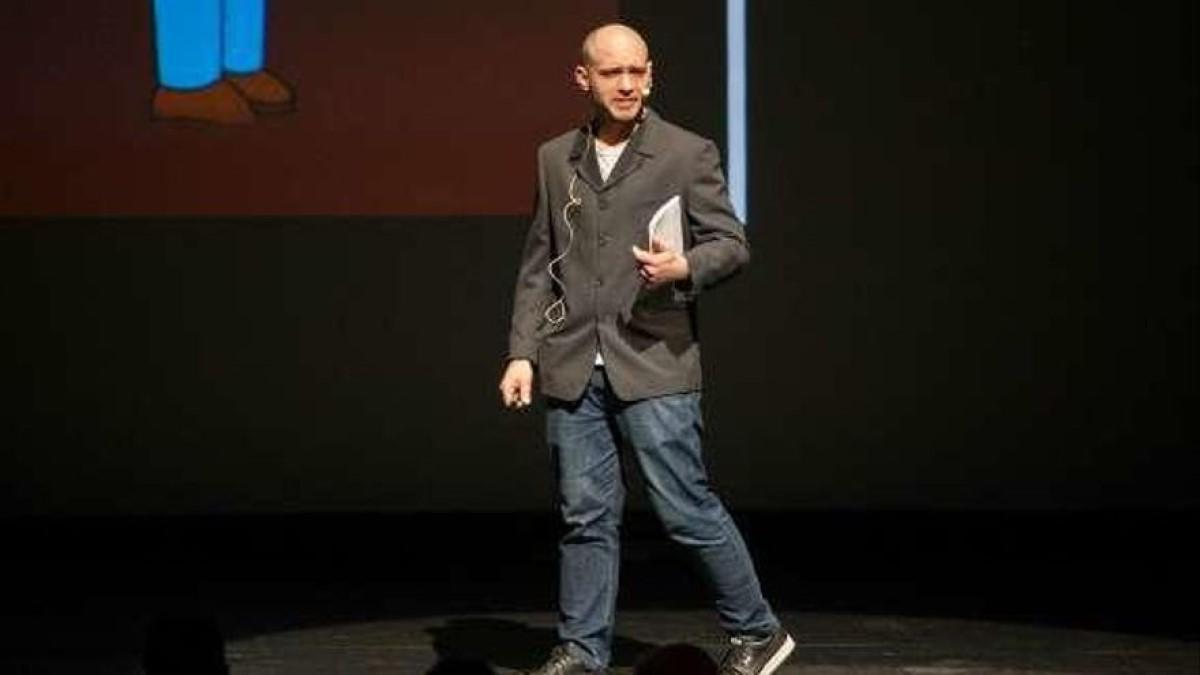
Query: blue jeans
664,434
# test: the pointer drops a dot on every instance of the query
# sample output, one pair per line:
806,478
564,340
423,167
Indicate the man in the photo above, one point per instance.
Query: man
608,317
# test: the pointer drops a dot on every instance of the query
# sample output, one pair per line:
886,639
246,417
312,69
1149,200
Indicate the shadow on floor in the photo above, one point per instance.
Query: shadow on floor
515,645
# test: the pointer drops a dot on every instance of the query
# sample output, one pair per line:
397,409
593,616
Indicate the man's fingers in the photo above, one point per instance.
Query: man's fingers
517,392
519,396
651,256
646,257
516,385
649,277
516,397
510,391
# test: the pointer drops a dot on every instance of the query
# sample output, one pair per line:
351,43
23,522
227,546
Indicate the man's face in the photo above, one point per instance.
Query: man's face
618,76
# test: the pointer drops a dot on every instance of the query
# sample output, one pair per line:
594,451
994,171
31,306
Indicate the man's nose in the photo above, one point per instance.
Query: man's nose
626,82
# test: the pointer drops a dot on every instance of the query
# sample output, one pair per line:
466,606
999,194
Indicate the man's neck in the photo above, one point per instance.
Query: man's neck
612,132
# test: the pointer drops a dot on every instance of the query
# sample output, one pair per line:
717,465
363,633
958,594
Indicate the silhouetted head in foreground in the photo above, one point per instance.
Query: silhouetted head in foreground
676,659
183,643
456,666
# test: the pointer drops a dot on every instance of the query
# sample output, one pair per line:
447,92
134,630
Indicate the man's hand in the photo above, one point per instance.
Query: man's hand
660,265
516,386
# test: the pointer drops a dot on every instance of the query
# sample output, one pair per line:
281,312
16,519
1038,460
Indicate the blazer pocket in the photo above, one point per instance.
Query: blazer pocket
660,322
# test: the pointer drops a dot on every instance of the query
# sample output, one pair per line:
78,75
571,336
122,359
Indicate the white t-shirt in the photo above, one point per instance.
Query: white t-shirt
607,155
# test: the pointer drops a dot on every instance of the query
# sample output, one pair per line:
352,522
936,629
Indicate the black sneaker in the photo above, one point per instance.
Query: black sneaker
563,661
747,656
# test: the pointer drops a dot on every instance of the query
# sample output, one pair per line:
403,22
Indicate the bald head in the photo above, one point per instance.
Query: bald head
617,75
611,37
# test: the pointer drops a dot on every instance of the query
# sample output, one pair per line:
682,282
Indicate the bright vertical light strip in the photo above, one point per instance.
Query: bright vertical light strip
735,100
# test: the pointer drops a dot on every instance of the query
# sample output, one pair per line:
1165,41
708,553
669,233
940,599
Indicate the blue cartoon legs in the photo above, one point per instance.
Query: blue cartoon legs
188,39
210,62
245,31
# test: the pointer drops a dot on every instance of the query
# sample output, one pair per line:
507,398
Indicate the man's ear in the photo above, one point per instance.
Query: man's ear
581,79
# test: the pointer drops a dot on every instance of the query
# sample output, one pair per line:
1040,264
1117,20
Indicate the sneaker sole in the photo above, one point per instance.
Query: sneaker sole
780,655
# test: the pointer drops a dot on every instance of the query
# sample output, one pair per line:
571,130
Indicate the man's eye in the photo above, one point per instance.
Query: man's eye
635,72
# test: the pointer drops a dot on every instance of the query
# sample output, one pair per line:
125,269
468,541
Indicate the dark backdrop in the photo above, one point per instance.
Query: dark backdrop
973,285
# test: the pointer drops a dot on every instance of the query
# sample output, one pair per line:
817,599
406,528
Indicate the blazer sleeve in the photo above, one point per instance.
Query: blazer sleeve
719,247
533,292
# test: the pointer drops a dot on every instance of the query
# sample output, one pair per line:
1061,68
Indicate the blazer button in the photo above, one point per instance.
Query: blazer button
602,203
599,282
604,238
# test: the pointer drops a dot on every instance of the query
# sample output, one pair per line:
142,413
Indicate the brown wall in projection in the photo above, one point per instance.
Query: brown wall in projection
402,109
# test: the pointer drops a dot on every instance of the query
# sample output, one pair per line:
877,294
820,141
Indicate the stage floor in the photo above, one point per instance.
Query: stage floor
918,594
827,643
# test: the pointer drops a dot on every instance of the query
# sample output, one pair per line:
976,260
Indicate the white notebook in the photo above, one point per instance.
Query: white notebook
666,225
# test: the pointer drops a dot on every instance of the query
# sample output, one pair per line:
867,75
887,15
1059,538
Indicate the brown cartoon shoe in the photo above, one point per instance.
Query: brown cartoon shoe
218,103
265,91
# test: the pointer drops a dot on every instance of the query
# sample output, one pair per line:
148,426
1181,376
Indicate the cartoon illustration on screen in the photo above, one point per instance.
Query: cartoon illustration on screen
210,62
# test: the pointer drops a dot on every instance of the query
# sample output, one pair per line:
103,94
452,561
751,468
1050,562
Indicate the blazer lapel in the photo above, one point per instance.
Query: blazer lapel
584,161
642,145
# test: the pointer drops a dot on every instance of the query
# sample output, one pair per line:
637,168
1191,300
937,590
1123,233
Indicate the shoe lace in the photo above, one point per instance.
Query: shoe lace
739,658
560,659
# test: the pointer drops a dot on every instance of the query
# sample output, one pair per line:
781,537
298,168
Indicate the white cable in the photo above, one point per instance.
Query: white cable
556,313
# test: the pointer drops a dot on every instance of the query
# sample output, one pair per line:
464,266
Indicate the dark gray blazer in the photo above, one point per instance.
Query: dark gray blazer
648,336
